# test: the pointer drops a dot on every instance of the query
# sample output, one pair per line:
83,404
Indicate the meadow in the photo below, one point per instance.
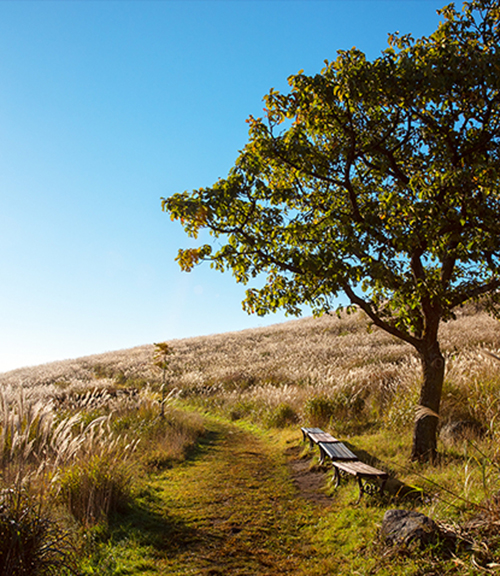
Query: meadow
94,473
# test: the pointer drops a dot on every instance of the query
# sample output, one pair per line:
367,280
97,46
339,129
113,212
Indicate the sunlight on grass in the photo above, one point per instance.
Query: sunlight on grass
204,484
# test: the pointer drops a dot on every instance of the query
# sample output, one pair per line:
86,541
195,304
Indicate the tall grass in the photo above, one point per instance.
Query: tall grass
31,543
64,425
255,372
75,454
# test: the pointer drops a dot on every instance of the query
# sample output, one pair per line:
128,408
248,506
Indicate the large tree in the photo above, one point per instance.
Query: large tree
377,179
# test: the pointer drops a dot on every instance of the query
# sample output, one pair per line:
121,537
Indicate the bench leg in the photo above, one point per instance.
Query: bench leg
367,487
361,489
322,455
336,477
382,486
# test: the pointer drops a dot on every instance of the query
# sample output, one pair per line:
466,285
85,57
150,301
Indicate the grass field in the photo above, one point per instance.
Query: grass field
221,483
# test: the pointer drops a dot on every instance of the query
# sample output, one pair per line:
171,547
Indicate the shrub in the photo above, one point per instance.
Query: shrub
31,544
162,439
400,414
281,416
94,488
240,406
237,381
319,411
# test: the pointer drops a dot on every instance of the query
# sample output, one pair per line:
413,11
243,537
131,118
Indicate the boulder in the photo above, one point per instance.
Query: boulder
402,527
459,430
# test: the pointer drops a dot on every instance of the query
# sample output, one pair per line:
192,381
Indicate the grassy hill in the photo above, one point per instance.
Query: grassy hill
85,446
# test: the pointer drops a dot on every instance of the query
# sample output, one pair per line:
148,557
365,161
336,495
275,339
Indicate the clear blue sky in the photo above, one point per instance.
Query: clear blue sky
105,106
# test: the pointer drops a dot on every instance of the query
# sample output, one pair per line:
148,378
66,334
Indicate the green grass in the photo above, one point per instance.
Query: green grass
232,508
211,491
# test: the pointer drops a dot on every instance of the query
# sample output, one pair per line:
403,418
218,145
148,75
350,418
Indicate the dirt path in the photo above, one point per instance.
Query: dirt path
239,507
309,482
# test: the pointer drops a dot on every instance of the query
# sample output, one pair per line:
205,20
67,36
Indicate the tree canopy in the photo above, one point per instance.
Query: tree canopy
377,179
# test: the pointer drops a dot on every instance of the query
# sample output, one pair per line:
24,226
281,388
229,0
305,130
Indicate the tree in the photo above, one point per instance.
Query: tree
378,179
161,360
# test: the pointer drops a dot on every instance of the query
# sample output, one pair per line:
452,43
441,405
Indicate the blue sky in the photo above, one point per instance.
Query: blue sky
105,107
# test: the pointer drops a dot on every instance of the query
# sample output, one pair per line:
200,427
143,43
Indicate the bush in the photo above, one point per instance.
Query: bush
281,416
31,544
161,440
400,414
319,411
93,489
242,408
344,411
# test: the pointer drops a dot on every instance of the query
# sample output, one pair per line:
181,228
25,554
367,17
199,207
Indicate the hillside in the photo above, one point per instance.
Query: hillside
222,482
285,363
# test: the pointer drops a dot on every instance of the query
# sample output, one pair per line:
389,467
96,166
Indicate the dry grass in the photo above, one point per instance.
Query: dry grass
78,451
260,371
64,425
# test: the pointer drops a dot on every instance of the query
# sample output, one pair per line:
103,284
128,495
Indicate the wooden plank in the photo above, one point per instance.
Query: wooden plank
335,451
360,469
321,437
307,431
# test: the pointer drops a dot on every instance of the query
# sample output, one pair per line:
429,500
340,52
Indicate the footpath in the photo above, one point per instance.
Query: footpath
233,508
236,510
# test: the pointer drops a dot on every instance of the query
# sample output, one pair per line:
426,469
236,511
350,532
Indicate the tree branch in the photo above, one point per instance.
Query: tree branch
471,293
366,307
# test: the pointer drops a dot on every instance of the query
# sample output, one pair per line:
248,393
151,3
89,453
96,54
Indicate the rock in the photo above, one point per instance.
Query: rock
401,527
459,430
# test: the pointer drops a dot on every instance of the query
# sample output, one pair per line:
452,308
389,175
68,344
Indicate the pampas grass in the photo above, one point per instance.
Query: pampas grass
64,426
31,543
253,372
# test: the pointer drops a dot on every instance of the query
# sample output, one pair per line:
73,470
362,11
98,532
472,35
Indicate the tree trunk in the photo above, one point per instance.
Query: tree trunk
425,431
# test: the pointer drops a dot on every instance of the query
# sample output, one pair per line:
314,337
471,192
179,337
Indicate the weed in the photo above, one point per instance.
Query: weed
400,413
319,411
281,416
241,409
336,410
95,488
31,544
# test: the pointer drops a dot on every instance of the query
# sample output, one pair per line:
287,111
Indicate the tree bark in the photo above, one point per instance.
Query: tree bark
425,431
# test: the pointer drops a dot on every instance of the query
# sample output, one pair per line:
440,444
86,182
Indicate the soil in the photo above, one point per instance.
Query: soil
309,481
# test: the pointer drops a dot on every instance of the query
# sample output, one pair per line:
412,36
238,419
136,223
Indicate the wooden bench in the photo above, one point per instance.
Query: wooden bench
346,462
362,472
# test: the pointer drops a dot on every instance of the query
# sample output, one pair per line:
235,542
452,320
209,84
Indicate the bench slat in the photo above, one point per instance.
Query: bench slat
321,437
336,451
307,431
360,469
312,430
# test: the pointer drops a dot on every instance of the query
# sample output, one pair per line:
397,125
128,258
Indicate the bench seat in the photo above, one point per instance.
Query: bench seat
335,451
322,437
307,431
316,435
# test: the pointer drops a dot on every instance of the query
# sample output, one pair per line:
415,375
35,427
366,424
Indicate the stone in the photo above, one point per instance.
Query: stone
459,430
402,527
